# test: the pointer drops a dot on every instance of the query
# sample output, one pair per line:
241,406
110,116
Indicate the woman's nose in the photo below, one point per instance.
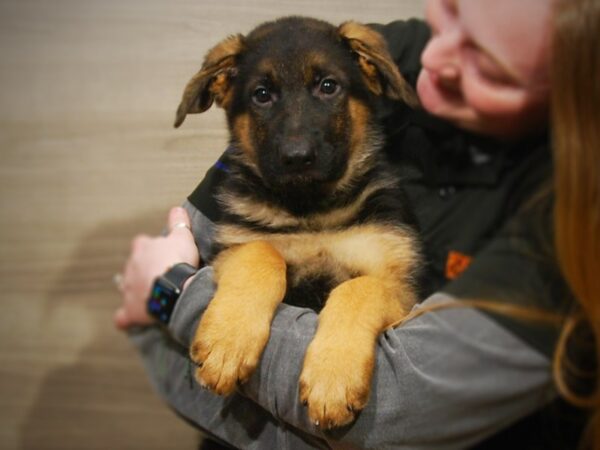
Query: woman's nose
441,55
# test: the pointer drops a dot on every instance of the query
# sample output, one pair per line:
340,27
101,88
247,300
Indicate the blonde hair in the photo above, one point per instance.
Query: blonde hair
575,115
575,104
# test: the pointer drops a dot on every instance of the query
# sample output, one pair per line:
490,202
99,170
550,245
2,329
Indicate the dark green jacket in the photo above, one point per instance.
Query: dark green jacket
449,379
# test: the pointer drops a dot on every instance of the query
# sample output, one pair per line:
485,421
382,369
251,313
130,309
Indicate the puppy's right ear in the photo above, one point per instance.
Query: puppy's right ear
377,65
213,81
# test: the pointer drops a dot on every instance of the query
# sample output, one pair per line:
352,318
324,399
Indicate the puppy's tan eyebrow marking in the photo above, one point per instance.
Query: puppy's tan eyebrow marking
316,59
453,5
316,65
241,128
267,71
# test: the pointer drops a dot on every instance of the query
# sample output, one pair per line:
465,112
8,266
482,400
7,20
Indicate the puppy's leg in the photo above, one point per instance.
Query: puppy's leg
338,366
235,328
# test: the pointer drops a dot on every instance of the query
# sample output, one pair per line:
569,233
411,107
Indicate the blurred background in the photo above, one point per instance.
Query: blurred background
88,158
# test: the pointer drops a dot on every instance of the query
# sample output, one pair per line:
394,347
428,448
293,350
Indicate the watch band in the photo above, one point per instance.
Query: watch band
179,273
166,291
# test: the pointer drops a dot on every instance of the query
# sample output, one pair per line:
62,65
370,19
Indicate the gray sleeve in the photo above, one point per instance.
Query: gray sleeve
444,380
235,419
203,230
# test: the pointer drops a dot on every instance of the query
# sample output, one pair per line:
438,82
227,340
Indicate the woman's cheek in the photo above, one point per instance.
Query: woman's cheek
425,91
506,111
490,99
432,15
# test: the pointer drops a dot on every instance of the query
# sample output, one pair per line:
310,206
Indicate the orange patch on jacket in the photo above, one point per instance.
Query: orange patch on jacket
456,264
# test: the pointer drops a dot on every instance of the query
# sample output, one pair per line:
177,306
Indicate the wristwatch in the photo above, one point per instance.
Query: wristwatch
167,289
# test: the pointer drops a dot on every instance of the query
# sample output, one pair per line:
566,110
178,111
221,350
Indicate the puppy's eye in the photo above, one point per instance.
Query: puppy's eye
329,87
262,96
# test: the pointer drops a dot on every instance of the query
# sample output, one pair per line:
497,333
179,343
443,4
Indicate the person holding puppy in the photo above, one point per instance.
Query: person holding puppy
511,293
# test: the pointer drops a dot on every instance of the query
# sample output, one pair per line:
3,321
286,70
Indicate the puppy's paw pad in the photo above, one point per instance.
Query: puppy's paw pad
329,407
336,391
227,356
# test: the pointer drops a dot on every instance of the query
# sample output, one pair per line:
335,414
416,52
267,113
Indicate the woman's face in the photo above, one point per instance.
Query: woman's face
486,66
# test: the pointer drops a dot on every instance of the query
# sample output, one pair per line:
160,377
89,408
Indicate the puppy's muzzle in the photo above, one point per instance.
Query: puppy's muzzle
297,155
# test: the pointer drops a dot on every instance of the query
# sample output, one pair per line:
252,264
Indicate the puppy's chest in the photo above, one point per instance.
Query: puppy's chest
317,261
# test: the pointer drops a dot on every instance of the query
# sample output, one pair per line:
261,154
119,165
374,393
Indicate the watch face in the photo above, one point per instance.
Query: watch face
162,301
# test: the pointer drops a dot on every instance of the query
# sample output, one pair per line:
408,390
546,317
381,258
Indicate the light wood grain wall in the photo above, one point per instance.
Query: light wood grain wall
88,157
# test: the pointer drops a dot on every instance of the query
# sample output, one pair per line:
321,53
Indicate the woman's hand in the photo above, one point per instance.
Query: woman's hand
151,257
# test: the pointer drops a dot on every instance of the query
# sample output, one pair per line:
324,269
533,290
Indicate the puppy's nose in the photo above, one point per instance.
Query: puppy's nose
297,155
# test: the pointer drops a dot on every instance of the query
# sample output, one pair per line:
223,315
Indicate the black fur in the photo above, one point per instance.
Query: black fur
300,116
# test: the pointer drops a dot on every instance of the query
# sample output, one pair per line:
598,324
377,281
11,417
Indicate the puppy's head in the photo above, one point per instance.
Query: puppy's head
299,98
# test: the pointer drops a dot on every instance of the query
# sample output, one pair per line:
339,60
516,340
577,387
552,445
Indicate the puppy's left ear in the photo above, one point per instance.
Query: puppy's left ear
378,68
213,81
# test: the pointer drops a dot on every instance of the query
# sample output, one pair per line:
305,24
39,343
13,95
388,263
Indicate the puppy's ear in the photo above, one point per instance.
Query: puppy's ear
213,81
378,68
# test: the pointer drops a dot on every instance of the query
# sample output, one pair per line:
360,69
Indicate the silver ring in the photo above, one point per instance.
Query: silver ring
182,225
118,280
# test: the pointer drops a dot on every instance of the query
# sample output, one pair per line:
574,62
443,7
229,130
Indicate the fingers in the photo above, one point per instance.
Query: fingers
179,226
150,257
121,319
118,281
179,220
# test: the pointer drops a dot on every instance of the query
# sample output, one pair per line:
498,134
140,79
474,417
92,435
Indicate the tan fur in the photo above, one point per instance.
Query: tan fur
362,36
370,74
235,327
267,68
363,144
219,89
357,311
230,46
212,80
312,61
270,216
373,59
372,249
241,131
371,264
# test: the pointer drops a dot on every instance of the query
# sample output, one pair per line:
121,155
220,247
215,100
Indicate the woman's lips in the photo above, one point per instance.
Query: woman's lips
436,93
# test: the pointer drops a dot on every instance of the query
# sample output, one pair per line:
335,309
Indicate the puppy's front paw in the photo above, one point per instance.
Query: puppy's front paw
336,379
227,347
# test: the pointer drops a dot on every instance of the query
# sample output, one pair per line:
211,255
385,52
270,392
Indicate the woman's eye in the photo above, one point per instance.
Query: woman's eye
262,96
490,70
329,87
450,7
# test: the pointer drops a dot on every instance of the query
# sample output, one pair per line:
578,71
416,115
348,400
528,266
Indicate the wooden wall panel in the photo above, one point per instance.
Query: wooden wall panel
88,158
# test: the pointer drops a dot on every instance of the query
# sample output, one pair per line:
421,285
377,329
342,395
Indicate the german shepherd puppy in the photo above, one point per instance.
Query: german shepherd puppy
311,210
